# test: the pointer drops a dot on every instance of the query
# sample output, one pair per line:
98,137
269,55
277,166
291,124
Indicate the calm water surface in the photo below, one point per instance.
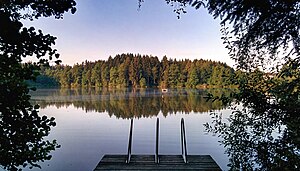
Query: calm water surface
92,123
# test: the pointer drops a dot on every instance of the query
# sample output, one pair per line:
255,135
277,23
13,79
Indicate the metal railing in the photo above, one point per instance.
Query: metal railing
129,143
183,142
157,141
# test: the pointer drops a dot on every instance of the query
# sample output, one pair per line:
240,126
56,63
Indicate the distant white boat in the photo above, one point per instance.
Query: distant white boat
164,90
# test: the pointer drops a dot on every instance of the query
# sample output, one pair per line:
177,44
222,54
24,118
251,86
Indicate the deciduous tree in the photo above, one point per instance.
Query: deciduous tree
22,130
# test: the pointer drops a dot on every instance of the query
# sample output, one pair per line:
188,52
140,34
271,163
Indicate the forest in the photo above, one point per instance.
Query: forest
135,70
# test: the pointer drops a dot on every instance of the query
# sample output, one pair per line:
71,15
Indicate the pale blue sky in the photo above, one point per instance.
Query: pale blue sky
101,28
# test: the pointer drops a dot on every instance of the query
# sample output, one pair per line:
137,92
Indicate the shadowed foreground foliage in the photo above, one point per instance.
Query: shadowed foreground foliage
262,133
263,34
22,129
256,33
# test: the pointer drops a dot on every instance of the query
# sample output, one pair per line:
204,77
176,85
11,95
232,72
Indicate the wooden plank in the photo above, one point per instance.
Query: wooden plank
170,159
142,159
114,158
111,167
167,162
143,166
155,167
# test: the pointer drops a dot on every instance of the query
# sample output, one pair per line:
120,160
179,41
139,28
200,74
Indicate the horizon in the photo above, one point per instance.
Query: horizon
100,29
159,58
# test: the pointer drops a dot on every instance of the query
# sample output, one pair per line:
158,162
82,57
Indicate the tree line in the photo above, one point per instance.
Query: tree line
135,70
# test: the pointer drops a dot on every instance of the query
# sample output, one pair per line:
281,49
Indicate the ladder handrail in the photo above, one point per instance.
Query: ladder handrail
157,140
129,142
183,141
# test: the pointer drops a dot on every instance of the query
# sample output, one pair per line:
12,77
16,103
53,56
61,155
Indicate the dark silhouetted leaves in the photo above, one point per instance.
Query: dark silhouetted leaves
22,130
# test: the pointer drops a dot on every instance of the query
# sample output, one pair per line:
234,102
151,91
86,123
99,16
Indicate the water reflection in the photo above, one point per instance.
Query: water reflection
128,103
94,134
254,139
22,138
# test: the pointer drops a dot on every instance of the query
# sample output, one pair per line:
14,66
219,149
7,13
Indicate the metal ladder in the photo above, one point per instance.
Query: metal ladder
183,141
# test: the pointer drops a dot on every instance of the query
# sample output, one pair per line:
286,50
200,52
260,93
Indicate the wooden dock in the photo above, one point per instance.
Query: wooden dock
157,161
166,162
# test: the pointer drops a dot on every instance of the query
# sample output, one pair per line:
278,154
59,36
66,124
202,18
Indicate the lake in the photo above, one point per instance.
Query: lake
92,123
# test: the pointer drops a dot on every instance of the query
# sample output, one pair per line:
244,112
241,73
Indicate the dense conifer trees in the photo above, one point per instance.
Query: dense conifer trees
129,70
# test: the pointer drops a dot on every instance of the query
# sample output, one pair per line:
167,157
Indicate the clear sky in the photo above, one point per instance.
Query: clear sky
103,28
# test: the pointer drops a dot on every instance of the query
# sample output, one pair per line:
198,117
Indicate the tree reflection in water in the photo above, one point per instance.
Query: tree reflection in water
262,133
128,103
22,133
